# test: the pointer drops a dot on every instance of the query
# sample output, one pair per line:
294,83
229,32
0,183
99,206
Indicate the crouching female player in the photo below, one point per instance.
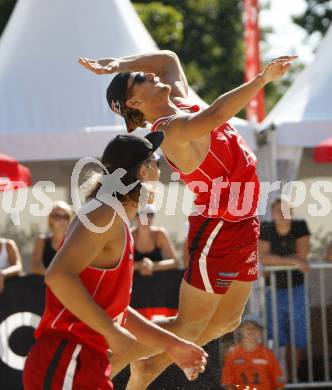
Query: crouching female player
87,315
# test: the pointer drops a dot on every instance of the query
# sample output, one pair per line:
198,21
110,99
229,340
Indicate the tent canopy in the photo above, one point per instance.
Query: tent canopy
303,116
50,107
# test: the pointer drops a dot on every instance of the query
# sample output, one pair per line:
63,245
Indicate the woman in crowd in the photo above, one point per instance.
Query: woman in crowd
10,261
47,245
153,249
285,241
156,281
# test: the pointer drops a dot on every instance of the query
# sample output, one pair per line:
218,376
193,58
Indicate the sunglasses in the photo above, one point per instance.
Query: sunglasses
59,217
139,78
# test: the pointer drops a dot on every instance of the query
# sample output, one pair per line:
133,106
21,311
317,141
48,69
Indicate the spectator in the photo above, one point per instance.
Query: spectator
47,245
285,242
153,249
250,365
10,261
157,277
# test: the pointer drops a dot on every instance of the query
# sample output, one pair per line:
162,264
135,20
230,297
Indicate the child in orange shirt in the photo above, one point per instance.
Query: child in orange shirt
249,365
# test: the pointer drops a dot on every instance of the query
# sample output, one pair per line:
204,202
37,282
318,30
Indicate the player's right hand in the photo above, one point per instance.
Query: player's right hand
275,69
101,66
189,357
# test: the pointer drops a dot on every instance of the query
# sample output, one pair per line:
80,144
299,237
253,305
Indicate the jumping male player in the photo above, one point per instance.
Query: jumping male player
218,166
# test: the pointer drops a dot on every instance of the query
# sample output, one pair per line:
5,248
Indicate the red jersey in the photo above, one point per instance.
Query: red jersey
258,369
110,289
225,183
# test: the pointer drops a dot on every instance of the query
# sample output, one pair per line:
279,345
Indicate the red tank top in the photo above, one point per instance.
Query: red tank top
110,289
225,183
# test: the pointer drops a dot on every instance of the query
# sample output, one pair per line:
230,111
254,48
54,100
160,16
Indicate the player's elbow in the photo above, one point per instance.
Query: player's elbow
52,278
169,54
170,57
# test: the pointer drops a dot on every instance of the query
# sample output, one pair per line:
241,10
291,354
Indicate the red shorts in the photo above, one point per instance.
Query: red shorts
221,252
54,362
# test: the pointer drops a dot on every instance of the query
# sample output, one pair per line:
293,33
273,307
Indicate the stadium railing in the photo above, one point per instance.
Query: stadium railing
318,322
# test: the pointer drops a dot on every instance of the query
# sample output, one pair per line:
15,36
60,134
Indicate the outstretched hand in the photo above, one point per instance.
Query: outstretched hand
275,69
101,66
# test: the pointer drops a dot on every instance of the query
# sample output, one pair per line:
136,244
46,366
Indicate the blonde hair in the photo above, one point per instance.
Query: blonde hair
62,205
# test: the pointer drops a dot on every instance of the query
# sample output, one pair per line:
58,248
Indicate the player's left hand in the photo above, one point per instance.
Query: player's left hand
101,66
189,357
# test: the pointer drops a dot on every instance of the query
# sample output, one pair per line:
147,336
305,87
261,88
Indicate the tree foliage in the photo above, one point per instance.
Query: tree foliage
6,7
206,34
317,17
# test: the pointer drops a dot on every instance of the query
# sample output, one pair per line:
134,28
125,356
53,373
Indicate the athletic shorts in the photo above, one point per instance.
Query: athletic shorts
221,252
55,363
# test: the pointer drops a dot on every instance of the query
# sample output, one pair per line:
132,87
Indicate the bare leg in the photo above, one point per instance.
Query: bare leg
142,351
226,318
187,324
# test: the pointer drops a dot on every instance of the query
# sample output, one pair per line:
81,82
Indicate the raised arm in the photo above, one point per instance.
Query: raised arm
185,128
163,63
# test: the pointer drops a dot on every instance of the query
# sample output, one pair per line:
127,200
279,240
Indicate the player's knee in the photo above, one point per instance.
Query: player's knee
191,330
232,325
220,330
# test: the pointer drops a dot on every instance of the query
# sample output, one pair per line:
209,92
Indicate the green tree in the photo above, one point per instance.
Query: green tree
165,22
206,34
317,17
6,7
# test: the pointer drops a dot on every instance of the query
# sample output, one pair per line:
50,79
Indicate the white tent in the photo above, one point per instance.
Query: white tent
50,107
303,116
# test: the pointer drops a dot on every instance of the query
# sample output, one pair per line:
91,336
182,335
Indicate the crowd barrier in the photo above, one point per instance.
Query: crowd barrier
316,366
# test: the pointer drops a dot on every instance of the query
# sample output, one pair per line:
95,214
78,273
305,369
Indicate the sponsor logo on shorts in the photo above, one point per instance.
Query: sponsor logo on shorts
228,274
253,270
223,283
252,257
259,361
